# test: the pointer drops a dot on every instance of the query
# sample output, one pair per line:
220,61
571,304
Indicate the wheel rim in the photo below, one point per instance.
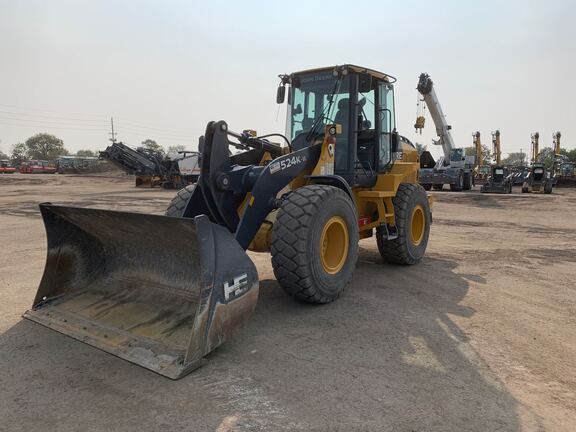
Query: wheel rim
334,245
418,225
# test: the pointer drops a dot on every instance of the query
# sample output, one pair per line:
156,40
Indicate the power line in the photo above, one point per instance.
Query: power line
94,118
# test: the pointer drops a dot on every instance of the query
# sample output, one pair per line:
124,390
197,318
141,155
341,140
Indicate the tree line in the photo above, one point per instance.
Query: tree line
44,146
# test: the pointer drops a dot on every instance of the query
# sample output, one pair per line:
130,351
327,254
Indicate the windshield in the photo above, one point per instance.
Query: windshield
312,102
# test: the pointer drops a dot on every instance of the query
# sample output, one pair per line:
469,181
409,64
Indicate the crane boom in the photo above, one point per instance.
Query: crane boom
496,146
426,89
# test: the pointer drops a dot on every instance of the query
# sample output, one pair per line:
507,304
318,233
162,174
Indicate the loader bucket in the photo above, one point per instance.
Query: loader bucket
157,291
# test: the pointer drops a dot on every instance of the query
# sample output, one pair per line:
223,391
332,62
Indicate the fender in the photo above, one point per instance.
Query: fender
332,180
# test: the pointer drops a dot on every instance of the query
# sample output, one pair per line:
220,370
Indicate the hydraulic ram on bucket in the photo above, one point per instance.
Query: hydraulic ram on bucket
157,291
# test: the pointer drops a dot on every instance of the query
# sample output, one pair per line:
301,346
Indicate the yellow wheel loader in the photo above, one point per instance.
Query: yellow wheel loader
164,291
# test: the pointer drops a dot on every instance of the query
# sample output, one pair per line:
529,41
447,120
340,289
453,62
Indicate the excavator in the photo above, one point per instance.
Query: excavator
163,291
563,169
499,180
481,171
454,167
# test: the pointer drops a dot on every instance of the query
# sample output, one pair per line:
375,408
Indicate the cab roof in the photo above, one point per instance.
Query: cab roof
351,68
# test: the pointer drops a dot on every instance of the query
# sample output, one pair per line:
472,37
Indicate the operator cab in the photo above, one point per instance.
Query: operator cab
499,174
361,101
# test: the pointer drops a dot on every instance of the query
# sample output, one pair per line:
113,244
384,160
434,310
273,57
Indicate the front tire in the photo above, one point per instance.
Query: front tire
315,243
459,185
178,204
413,219
427,186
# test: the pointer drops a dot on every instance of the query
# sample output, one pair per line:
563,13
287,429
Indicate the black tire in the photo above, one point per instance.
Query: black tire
509,188
427,186
548,187
178,203
467,184
459,185
524,189
438,187
403,250
296,249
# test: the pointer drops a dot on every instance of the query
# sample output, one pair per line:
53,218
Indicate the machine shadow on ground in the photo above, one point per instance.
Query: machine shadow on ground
385,356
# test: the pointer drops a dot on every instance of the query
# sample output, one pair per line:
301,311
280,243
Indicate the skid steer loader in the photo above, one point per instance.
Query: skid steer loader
538,180
164,291
499,181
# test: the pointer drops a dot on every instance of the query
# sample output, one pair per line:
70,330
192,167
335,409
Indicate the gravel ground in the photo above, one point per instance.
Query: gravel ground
480,336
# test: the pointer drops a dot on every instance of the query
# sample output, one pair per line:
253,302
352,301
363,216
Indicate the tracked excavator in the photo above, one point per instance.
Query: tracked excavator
454,167
563,170
164,291
482,171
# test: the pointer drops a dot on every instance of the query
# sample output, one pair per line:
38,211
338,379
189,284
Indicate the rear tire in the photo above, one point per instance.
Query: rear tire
178,203
524,189
548,187
315,243
427,186
410,203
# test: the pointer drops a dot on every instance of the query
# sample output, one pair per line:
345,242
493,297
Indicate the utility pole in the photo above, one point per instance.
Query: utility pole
112,134
521,156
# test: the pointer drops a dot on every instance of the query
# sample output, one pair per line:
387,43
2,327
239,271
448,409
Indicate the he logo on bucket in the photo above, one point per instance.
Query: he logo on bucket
233,288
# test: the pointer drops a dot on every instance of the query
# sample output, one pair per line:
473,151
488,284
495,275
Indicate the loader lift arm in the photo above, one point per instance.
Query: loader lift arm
225,180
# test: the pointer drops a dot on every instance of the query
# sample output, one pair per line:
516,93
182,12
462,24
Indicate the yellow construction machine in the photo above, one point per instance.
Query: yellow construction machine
164,291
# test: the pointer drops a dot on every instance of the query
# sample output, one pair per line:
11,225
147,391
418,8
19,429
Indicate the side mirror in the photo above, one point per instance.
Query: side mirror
394,142
280,94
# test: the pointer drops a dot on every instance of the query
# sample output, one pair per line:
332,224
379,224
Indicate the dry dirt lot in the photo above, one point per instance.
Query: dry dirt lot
480,336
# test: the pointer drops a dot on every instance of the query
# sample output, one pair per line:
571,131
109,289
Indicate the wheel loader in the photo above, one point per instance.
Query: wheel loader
164,291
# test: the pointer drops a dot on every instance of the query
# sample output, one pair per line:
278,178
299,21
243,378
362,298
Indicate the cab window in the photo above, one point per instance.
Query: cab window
387,124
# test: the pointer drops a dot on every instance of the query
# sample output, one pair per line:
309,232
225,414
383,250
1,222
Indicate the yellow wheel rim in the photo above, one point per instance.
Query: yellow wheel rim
334,245
417,225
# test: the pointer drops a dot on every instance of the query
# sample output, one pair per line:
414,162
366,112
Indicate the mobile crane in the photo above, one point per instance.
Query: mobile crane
454,167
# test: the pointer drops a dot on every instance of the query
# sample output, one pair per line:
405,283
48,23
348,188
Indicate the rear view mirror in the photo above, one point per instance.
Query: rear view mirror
280,94
394,142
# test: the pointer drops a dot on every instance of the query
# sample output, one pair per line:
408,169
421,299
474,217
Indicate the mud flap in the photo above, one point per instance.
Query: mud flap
157,291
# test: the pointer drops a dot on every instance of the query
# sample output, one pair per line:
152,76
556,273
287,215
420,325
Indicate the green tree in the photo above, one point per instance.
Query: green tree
19,154
153,146
515,158
3,156
571,154
546,156
85,153
176,148
45,147
486,154
420,148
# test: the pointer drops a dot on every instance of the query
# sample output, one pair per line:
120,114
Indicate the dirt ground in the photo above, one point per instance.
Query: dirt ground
480,336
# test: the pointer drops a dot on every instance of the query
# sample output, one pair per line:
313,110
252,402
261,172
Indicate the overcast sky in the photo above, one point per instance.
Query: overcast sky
163,69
